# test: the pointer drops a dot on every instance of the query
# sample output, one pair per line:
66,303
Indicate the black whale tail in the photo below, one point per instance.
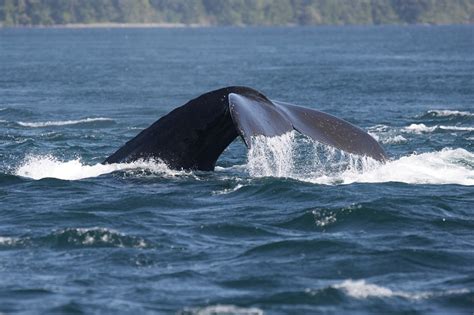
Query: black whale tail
194,135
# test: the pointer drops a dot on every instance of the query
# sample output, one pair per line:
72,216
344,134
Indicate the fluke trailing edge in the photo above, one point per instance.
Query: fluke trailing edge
194,135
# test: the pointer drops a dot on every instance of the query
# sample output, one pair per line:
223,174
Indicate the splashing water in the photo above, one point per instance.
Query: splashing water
297,157
290,156
386,135
39,167
95,236
271,156
302,159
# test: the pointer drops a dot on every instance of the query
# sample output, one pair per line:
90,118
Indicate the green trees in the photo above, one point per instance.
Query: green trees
235,12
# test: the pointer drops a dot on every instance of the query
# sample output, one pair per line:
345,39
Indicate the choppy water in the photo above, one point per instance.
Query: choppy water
291,227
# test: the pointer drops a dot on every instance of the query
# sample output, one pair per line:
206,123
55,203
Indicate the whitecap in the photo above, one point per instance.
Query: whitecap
360,289
419,128
47,166
388,139
221,310
456,128
8,241
422,128
99,236
447,113
62,122
386,134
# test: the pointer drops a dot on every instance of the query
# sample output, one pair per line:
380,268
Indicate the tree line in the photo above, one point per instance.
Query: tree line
236,12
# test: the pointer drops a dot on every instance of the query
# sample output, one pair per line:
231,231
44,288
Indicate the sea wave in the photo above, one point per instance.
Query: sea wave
227,190
48,166
386,134
449,113
360,289
389,139
8,241
221,310
78,237
64,122
396,135
94,237
422,128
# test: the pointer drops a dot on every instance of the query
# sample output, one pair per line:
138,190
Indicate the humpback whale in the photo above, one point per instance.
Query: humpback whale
194,135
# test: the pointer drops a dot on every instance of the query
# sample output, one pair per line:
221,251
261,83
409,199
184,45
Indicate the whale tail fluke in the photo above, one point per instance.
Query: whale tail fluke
194,135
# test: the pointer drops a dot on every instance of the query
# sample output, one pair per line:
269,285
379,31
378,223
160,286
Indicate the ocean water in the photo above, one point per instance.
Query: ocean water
290,227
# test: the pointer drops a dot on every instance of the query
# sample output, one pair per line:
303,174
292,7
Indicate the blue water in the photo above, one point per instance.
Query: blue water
290,227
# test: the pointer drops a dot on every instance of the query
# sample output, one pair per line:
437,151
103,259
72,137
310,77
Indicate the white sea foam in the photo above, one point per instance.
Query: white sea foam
394,140
288,157
221,310
47,166
322,218
93,235
285,157
8,241
100,235
422,128
360,289
388,139
447,113
62,122
386,135
448,166
419,128
456,128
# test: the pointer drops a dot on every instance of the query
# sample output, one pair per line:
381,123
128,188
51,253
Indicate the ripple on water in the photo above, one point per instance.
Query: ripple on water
232,230
289,248
365,216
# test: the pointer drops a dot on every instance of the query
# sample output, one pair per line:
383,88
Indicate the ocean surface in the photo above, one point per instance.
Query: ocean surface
289,227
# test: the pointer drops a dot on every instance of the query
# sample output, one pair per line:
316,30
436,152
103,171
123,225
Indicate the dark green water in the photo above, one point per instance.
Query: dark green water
290,227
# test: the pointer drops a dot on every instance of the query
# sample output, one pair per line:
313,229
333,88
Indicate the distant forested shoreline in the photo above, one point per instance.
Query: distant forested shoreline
234,12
